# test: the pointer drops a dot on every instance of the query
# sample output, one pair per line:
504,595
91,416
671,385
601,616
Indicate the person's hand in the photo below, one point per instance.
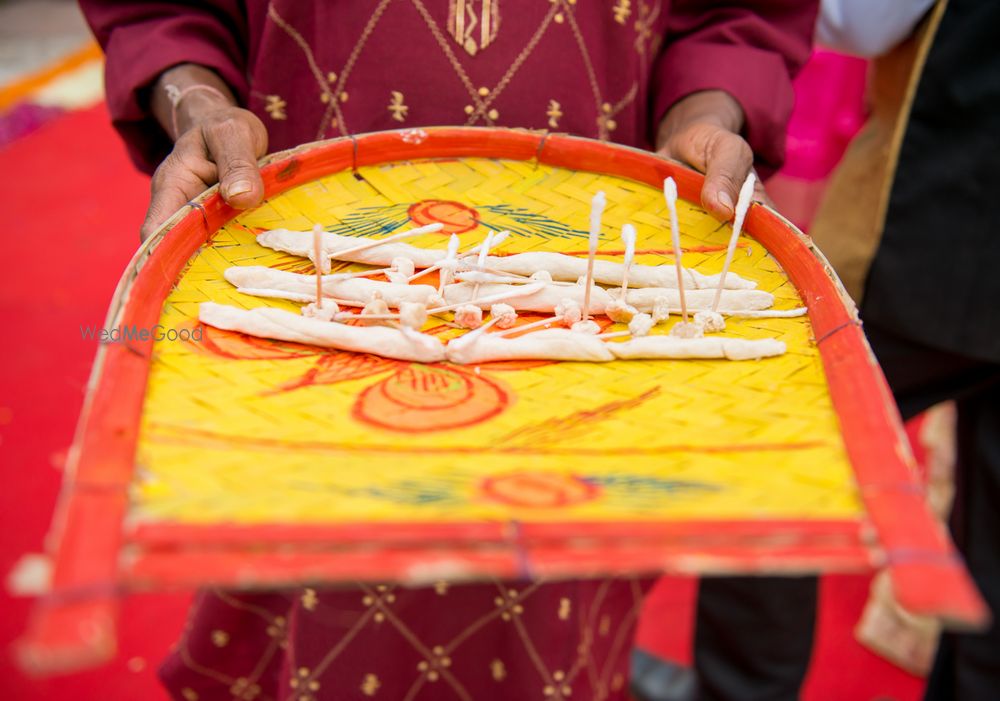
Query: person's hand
703,131
217,143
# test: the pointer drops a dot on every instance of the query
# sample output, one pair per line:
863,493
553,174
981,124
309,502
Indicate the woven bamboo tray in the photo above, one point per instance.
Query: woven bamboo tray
243,462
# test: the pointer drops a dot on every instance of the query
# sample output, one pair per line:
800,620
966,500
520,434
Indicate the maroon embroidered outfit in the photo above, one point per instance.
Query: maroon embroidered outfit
607,69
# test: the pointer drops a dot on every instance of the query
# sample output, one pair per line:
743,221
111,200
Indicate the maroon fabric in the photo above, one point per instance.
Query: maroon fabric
501,640
607,69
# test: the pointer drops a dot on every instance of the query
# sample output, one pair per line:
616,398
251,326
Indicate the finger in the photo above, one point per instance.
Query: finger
235,143
728,163
172,187
723,156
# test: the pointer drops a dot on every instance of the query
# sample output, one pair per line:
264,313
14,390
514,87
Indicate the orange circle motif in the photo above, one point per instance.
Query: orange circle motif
456,217
539,489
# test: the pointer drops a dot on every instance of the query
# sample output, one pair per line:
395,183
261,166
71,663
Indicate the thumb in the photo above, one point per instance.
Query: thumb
235,143
724,158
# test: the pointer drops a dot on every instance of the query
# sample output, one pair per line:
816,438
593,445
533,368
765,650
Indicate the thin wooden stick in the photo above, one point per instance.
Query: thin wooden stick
670,195
481,261
525,291
437,226
596,211
628,238
318,256
742,206
529,326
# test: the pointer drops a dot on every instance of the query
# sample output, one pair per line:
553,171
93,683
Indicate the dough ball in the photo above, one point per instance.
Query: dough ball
640,325
588,326
505,315
469,316
687,330
324,313
710,322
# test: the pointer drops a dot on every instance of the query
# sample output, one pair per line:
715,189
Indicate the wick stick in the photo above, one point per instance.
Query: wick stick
484,251
317,263
670,194
450,256
742,205
525,291
628,237
529,326
596,211
614,334
437,226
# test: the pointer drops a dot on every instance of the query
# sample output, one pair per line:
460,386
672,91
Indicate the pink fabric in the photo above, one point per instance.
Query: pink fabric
313,70
829,111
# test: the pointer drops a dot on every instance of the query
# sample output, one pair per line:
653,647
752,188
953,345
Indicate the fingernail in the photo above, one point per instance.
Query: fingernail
725,200
238,188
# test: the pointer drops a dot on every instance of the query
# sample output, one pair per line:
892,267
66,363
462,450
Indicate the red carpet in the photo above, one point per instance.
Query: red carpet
72,206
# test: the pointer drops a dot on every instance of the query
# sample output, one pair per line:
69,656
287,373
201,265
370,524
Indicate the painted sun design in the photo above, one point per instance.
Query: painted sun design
457,218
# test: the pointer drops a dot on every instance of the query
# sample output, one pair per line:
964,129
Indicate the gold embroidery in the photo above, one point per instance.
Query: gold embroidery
483,92
439,662
464,17
304,684
370,685
220,638
397,107
442,587
498,670
559,18
244,689
343,96
644,25
331,77
189,694
563,690
605,625
275,107
622,9
564,609
277,627
508,605
309,599
493,114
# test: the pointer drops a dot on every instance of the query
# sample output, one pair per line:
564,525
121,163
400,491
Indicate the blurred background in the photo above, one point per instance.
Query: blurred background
71,205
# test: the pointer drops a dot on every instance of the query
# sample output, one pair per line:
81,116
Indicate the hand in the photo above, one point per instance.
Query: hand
702,130
218,142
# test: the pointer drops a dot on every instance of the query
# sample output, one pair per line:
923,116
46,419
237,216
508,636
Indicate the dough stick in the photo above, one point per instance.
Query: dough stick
530,326
437,226
670,194
444,266
628,237
484,250
317,257
596,211
524,291
742,205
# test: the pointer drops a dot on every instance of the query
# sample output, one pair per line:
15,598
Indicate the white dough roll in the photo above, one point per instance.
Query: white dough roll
572,268
281,325
709,347
280,284
551,344
543,300
300,243
700,300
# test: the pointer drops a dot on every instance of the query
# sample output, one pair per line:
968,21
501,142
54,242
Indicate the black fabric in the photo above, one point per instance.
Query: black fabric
753,637
968,664
934,277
